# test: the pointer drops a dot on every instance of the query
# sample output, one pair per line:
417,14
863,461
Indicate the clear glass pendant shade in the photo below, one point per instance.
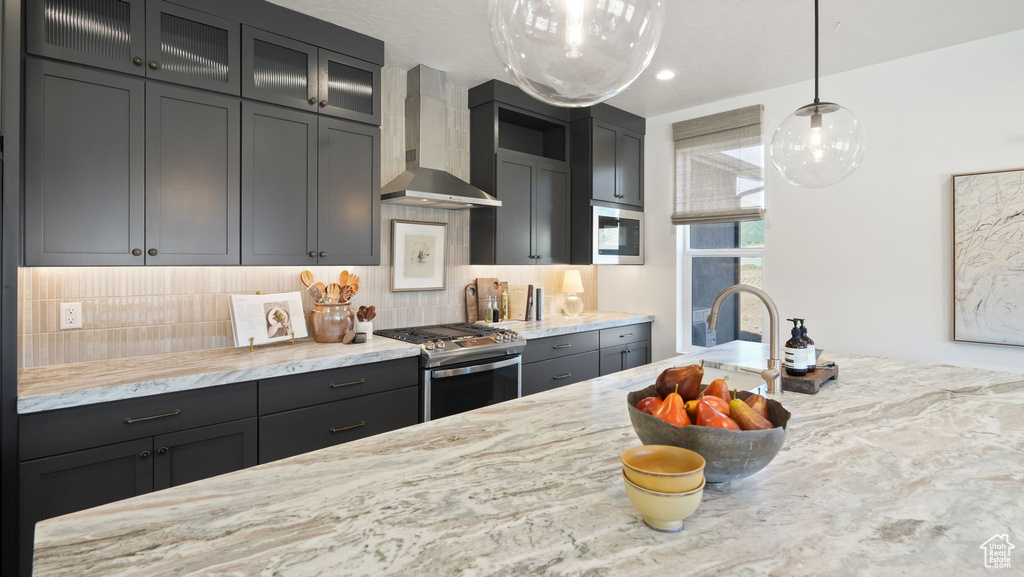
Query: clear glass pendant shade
575,52
818,145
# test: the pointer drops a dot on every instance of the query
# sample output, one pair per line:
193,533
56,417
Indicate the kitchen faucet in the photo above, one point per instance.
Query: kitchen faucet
773,374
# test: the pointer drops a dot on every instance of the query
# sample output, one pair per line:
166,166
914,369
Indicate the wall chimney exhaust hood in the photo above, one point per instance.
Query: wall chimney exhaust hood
425,181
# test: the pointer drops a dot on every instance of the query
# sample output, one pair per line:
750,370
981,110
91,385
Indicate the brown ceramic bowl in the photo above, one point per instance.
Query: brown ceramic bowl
730,455
663,468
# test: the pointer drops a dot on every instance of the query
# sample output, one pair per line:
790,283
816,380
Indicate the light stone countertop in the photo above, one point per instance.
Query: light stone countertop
897,468
72,385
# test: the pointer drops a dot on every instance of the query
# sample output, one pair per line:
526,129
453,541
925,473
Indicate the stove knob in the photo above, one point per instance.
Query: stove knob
429,346
513,336
439,345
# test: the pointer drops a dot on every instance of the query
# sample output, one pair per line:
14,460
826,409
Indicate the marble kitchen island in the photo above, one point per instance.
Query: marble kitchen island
898,468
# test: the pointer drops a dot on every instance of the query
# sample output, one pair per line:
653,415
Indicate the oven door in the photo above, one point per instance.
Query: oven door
618,236
459,388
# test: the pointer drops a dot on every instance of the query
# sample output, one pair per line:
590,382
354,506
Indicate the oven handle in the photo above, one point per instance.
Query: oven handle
441,374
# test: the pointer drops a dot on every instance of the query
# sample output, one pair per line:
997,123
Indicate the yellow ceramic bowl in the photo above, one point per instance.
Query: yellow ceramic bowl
663,469
663,511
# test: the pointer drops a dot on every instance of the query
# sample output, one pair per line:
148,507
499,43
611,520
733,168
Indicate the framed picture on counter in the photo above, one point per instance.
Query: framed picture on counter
419,251
266,318
988,257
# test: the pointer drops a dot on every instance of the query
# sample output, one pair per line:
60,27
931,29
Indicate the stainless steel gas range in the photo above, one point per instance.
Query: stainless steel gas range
464,366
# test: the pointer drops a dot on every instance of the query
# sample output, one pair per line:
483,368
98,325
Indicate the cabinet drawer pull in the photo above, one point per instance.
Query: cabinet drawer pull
625,335
348,428
565,376
130,420
565,346
338,385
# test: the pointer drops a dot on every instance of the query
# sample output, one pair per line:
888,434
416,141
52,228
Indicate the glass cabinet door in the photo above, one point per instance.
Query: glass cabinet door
278,70
189,47
103,33
349,88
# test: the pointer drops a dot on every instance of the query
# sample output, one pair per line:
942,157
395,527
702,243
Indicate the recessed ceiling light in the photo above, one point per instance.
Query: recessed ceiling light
665,75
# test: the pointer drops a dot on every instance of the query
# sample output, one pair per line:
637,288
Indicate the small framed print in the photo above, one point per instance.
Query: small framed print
418,255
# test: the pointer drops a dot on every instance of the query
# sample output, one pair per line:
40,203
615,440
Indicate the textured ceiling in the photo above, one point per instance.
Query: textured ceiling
718,48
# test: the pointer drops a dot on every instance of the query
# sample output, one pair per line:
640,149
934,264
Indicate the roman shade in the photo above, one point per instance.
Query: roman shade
719,173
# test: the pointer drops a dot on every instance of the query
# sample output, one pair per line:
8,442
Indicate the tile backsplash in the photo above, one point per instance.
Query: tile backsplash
132,311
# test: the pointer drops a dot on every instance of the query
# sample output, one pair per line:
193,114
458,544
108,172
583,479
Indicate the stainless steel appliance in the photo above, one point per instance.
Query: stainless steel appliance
464,366
618,236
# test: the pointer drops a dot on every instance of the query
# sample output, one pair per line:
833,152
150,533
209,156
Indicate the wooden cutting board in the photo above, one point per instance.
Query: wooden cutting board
485,289
518,295
472,312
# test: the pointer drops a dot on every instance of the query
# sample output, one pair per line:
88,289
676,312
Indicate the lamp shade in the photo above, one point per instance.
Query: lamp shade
572,282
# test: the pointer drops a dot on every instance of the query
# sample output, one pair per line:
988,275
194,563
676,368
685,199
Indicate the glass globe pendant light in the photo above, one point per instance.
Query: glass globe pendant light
821,143
575,53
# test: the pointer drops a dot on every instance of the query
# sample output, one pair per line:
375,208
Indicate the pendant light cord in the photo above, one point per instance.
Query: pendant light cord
816,51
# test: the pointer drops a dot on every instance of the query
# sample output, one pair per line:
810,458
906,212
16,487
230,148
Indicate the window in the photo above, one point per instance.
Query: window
719,201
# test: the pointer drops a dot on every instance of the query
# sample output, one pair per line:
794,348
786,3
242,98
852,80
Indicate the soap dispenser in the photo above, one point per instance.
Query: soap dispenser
812,353
796,353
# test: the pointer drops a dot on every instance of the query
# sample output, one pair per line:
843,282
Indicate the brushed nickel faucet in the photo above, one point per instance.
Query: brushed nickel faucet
773,374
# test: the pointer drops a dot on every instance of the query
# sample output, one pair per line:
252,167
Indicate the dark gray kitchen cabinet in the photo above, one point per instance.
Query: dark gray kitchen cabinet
107,34
72,482
84,166
622,357
516,175
192,177
532,224
195,454
348,218
194,48
279,186
551,206
349,88
312,428
279,70
559,372
609,162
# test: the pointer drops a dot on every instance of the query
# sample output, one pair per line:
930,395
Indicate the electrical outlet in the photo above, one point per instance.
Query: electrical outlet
70,316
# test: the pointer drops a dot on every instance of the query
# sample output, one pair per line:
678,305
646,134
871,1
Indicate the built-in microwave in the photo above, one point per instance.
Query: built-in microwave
618,236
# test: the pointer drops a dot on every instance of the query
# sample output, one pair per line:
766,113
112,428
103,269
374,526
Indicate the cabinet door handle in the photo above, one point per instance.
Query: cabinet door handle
162,450
348,428
323,254
323,104
338,385
312,253
136,252
565,376
144,455
153,252
130,420
565,346
625,335
312,99
154,64
137,61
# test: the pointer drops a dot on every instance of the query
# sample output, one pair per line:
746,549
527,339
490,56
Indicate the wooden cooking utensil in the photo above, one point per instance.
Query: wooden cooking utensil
361,314
371,313
343,278
322,289
307,278
334,292
318,296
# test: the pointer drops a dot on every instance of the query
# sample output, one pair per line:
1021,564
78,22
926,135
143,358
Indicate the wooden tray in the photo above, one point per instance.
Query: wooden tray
810,384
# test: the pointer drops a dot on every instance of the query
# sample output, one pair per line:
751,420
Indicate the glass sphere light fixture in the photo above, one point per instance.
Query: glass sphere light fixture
575,53
821,143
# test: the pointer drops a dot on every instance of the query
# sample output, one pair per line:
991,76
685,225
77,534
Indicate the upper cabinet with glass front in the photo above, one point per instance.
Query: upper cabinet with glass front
349,87
279,70
193,48
107,34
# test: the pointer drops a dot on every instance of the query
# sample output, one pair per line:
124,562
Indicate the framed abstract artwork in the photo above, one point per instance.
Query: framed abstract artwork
418,255
988,257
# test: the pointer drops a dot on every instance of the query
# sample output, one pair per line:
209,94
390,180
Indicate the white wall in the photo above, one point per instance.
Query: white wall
867,261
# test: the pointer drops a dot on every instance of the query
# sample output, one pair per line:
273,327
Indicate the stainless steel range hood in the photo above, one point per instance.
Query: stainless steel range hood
425,182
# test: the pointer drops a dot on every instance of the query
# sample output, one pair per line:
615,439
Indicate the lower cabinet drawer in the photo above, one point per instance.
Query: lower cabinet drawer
303,430
547,375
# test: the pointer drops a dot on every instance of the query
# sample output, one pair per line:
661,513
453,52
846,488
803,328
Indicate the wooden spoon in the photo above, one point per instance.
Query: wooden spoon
371,313
322,289
334,292
343,278
307,278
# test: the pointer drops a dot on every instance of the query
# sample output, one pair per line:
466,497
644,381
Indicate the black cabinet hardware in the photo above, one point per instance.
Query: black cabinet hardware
565,346
137,252
162,450
154,64
130,420
336,385
565,376
144,455
137,61
153,252
348,428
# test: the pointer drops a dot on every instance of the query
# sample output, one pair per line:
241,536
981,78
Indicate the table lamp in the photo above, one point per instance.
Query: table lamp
572,284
